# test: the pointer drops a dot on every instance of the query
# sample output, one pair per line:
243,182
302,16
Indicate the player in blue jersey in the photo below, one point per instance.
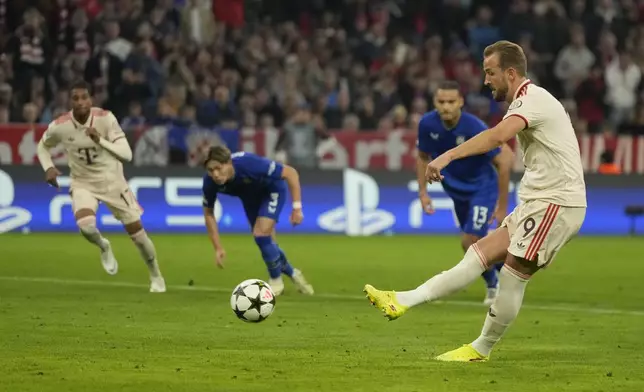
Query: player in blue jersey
478,185
261,186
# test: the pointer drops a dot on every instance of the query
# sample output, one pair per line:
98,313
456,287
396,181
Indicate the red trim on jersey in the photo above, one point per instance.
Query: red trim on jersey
523,89
525,120
542,231
62,118
100,112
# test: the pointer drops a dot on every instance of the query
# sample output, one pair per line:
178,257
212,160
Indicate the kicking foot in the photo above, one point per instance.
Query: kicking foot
385,301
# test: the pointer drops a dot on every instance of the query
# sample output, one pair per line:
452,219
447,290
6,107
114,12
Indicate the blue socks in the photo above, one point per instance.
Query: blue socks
271,255
274,258
491,276
287,268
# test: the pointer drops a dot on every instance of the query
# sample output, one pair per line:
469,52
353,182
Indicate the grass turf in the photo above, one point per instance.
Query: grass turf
67,326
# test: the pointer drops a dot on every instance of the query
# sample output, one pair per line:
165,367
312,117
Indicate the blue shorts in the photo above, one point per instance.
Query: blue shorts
474,213
269,205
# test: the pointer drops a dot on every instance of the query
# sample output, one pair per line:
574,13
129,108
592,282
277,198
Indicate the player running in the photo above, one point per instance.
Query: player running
479,192
96,146
261,185
551,212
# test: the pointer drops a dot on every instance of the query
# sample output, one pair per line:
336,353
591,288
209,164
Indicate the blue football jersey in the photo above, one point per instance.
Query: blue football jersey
255,177
465,176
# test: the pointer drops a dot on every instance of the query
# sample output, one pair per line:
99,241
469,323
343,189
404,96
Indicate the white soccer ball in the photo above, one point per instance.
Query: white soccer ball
253,300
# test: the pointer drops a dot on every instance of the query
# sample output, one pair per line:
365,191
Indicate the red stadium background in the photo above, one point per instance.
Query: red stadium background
391,151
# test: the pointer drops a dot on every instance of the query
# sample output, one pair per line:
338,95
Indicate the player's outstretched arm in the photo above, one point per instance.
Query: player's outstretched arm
292,178
479,144
490,139
213,235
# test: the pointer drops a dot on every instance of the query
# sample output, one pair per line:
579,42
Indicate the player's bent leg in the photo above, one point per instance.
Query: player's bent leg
263,229
86,222
275,258
296,275
395,304
287,268
148,253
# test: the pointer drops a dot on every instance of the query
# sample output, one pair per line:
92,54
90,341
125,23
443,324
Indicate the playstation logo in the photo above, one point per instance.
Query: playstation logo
11,217
359,216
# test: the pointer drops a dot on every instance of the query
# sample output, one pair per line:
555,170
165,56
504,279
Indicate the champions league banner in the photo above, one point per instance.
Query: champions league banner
345,202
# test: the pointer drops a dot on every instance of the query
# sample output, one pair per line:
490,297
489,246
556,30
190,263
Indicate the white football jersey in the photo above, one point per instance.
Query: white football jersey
88,162
553,169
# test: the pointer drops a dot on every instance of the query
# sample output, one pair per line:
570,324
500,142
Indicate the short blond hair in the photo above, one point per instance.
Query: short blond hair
510,54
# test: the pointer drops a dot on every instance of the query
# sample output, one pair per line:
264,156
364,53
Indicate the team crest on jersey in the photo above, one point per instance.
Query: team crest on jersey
460,140
247,181
515,104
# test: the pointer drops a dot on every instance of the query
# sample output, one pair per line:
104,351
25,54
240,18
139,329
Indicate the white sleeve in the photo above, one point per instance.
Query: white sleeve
120,148
49,139
114,131
527,109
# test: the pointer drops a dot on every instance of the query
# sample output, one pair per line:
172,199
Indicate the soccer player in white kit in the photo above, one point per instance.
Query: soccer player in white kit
96,146
551,211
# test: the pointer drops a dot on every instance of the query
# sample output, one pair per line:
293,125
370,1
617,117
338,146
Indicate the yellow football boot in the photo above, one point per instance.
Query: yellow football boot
385,301
467,353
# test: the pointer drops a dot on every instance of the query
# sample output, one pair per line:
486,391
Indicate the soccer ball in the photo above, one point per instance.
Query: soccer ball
253,300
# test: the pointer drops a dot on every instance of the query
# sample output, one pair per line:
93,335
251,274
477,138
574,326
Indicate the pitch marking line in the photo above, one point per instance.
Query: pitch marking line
554,307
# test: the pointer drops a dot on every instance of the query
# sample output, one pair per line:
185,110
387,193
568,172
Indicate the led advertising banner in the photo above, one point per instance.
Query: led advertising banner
347,202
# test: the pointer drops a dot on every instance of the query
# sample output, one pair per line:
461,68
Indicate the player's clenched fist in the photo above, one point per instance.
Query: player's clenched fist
51,176
93,134
296,217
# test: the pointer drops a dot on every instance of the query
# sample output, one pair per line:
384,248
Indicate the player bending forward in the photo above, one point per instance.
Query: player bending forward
261,185
479,192
95,146
552,208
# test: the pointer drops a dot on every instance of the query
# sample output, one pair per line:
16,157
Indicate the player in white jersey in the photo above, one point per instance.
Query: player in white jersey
96,146
552,208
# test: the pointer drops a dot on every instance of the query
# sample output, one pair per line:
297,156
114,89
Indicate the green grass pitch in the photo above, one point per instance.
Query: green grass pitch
67,326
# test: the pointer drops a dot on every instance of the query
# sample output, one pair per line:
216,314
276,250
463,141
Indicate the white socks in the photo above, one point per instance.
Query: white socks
504,310
146,248
87,226
447,282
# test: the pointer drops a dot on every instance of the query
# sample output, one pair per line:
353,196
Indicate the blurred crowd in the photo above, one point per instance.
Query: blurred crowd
358,65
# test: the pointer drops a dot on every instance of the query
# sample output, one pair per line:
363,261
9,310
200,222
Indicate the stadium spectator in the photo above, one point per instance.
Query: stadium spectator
357,64
608,165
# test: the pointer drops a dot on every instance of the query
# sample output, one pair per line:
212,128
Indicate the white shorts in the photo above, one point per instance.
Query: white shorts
118,198
538,230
